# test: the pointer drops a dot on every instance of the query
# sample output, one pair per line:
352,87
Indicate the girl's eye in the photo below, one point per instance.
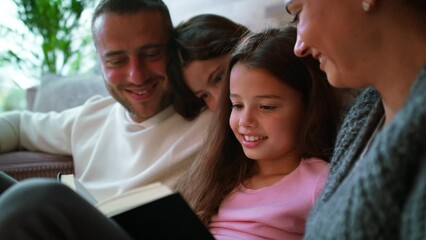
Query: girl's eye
267,107
218,78
204,96
237,106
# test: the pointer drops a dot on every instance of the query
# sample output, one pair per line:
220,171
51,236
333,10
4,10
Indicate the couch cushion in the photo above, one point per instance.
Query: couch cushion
23,164
57,93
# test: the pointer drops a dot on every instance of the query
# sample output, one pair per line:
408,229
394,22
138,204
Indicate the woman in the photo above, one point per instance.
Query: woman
204,42
377,183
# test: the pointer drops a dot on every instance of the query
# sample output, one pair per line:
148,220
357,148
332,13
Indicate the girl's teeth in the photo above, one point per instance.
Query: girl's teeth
253,138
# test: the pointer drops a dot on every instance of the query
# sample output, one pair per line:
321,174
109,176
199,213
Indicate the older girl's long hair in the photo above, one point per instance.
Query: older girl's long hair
222,165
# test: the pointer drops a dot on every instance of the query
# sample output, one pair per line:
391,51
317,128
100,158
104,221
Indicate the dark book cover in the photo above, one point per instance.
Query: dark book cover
169,217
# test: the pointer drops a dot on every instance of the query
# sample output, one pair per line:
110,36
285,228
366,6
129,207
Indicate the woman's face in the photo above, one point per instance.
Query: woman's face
338,34
204,77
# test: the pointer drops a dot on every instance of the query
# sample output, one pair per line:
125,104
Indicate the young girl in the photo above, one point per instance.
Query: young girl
266,161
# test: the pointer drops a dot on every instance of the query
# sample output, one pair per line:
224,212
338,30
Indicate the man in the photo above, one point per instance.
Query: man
134,137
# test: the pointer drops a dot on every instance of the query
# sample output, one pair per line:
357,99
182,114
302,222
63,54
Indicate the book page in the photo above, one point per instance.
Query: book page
121,202
133,198
74,184
68,179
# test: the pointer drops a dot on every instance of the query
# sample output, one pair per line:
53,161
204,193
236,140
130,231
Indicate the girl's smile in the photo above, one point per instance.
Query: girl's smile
266,114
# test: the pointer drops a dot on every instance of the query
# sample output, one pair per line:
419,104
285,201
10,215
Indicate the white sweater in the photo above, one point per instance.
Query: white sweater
112,153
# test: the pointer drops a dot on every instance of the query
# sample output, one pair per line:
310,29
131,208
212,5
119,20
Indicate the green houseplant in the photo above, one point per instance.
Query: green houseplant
53,28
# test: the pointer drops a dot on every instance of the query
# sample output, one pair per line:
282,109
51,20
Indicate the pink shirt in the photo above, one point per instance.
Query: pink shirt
278,211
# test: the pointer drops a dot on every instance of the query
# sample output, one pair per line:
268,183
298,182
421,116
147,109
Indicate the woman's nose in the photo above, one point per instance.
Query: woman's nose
300,48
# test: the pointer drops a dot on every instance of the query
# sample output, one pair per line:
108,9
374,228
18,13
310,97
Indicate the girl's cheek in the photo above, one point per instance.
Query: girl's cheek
233,122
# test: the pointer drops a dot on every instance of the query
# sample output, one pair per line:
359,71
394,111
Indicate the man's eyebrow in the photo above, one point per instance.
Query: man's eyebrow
150,46
113,53
146,47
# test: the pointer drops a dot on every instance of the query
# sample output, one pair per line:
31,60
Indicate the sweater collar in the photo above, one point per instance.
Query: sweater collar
157,118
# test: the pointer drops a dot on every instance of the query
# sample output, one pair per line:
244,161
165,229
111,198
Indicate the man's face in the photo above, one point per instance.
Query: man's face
133,53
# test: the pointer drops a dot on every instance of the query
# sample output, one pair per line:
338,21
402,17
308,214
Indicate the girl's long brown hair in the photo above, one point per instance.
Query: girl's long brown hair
222,165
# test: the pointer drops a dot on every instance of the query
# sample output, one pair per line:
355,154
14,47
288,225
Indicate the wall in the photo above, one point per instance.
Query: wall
255,14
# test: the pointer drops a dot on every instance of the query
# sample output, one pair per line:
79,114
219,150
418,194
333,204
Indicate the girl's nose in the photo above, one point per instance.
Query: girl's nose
247,119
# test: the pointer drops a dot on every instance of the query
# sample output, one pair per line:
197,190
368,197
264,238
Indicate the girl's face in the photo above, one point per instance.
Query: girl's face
204,78
266,114
338,34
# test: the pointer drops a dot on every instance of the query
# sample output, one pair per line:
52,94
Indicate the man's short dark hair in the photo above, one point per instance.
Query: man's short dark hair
133,6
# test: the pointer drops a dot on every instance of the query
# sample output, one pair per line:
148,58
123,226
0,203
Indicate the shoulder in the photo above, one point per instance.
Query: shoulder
99,103
314,169
204,118
201,121
314,165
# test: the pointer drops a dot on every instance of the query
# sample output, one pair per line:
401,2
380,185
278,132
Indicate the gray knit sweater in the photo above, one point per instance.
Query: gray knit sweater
383,194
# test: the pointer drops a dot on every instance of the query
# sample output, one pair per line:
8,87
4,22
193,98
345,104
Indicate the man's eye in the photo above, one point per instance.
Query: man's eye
153,54
115,62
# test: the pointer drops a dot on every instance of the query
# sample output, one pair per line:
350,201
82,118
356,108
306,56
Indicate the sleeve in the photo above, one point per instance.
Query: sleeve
414,214
9,131
46,132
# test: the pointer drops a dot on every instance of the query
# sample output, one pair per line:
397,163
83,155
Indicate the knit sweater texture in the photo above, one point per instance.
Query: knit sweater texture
381,195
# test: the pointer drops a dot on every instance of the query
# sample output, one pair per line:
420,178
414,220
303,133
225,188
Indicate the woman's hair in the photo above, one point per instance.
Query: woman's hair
222,165
201,37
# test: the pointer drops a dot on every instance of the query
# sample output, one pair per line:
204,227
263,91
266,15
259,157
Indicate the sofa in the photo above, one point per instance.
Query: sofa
55,93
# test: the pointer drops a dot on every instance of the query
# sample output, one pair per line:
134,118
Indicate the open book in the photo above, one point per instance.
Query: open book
153,211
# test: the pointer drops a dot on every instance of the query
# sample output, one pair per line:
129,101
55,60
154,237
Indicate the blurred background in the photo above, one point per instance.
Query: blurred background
45,37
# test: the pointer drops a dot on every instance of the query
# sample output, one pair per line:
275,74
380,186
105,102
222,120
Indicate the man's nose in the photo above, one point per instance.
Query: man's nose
138,71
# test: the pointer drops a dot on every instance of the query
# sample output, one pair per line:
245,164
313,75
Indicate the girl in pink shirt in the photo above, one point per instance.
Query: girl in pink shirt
265,163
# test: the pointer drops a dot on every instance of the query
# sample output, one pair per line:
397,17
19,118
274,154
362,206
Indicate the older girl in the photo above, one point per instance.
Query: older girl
204,42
